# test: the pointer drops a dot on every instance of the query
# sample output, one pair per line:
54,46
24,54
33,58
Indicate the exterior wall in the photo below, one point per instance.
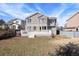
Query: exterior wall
14,26
54,30
70,29
4,26
36,21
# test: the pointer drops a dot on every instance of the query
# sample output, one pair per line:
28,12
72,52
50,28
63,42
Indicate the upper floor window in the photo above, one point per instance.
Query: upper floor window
42,20
17,22
55,20
29,20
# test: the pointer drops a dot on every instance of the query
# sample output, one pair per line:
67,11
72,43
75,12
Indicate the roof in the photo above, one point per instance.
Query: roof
34,15
73,16
11,21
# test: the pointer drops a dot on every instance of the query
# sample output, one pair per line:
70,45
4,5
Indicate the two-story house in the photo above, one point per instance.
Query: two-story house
16,24
39,22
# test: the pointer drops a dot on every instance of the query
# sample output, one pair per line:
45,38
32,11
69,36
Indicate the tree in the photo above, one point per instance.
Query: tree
2,22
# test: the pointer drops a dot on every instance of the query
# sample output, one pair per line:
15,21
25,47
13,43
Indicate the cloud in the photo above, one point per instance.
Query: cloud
39,9
28,8
15,11
65,18
76,5
59,11
3,14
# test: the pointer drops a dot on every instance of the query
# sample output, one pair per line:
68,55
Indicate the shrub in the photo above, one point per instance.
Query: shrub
7,34
69,50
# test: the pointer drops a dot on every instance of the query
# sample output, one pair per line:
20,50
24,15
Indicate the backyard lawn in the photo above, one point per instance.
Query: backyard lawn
23,46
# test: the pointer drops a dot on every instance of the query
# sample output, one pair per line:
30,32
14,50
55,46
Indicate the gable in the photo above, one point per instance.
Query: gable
36,15
73,21
14,20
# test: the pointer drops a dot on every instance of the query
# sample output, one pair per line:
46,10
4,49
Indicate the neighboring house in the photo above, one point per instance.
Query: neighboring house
16,24
3,26
39,22
72,23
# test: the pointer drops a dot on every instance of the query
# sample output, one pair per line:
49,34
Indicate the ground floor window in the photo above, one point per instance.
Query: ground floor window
40,28
43,27
76,29
50,27
13,27
29,28
34,28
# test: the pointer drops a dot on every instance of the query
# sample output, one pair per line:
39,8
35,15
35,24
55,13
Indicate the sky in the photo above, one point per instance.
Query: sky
63,11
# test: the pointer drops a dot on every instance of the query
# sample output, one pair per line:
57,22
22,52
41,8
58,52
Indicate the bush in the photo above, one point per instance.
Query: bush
69,50
8,34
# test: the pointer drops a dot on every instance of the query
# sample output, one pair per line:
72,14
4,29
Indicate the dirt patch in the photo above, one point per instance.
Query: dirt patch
61,40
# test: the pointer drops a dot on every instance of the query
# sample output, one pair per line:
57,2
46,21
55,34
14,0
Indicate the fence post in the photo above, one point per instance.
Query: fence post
74,34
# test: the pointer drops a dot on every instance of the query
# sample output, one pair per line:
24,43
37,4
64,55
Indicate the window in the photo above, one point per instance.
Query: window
17,22
13,27
24,32
34,28
44,27
76,29
40,28
43,20
53,20
29,20
29,28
